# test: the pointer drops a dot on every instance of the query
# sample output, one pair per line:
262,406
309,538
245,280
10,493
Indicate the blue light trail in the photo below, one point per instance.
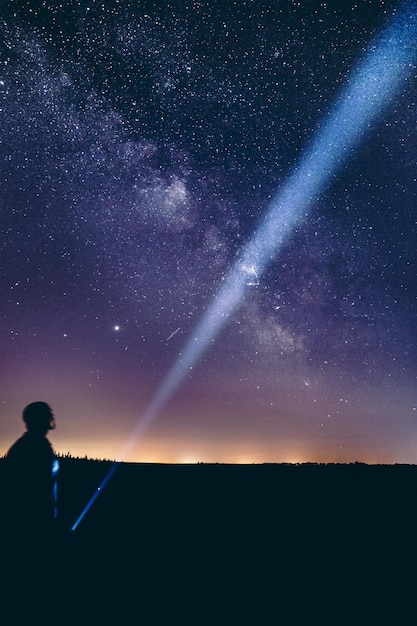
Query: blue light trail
368,91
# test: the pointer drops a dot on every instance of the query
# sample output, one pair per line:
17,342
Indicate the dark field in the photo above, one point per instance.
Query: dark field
227,544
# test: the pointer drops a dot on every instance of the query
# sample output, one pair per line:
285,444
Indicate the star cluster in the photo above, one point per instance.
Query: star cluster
141,144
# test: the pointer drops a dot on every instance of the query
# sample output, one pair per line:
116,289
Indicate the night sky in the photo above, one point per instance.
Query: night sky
141,145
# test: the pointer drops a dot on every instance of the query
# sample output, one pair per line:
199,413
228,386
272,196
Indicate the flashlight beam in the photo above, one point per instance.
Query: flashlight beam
372,87
96,494
368,91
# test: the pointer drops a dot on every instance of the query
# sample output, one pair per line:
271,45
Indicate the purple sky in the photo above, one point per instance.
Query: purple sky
141,145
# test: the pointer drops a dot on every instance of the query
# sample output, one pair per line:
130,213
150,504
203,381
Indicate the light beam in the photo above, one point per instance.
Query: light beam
368,91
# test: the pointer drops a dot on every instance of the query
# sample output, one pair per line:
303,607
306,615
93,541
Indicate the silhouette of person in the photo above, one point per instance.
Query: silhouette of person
30,542
31,472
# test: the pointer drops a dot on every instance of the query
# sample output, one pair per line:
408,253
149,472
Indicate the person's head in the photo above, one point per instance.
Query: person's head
38,417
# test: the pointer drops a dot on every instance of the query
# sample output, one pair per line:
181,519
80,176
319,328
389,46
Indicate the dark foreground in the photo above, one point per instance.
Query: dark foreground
224,544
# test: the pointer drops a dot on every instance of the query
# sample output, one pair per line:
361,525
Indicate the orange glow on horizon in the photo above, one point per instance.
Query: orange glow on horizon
183,451
183,448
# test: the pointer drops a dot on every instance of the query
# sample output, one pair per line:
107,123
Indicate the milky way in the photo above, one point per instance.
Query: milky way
141,146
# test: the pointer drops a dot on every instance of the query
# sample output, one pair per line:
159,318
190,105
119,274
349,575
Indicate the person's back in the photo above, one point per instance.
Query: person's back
29,473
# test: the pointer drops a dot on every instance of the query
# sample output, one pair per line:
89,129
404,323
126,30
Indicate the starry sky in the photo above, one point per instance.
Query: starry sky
140,146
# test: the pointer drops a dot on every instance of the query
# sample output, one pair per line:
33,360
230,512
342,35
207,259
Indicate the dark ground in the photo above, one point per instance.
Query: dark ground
224,544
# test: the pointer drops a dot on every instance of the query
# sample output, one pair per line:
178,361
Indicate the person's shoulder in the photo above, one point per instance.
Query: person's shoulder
16,446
